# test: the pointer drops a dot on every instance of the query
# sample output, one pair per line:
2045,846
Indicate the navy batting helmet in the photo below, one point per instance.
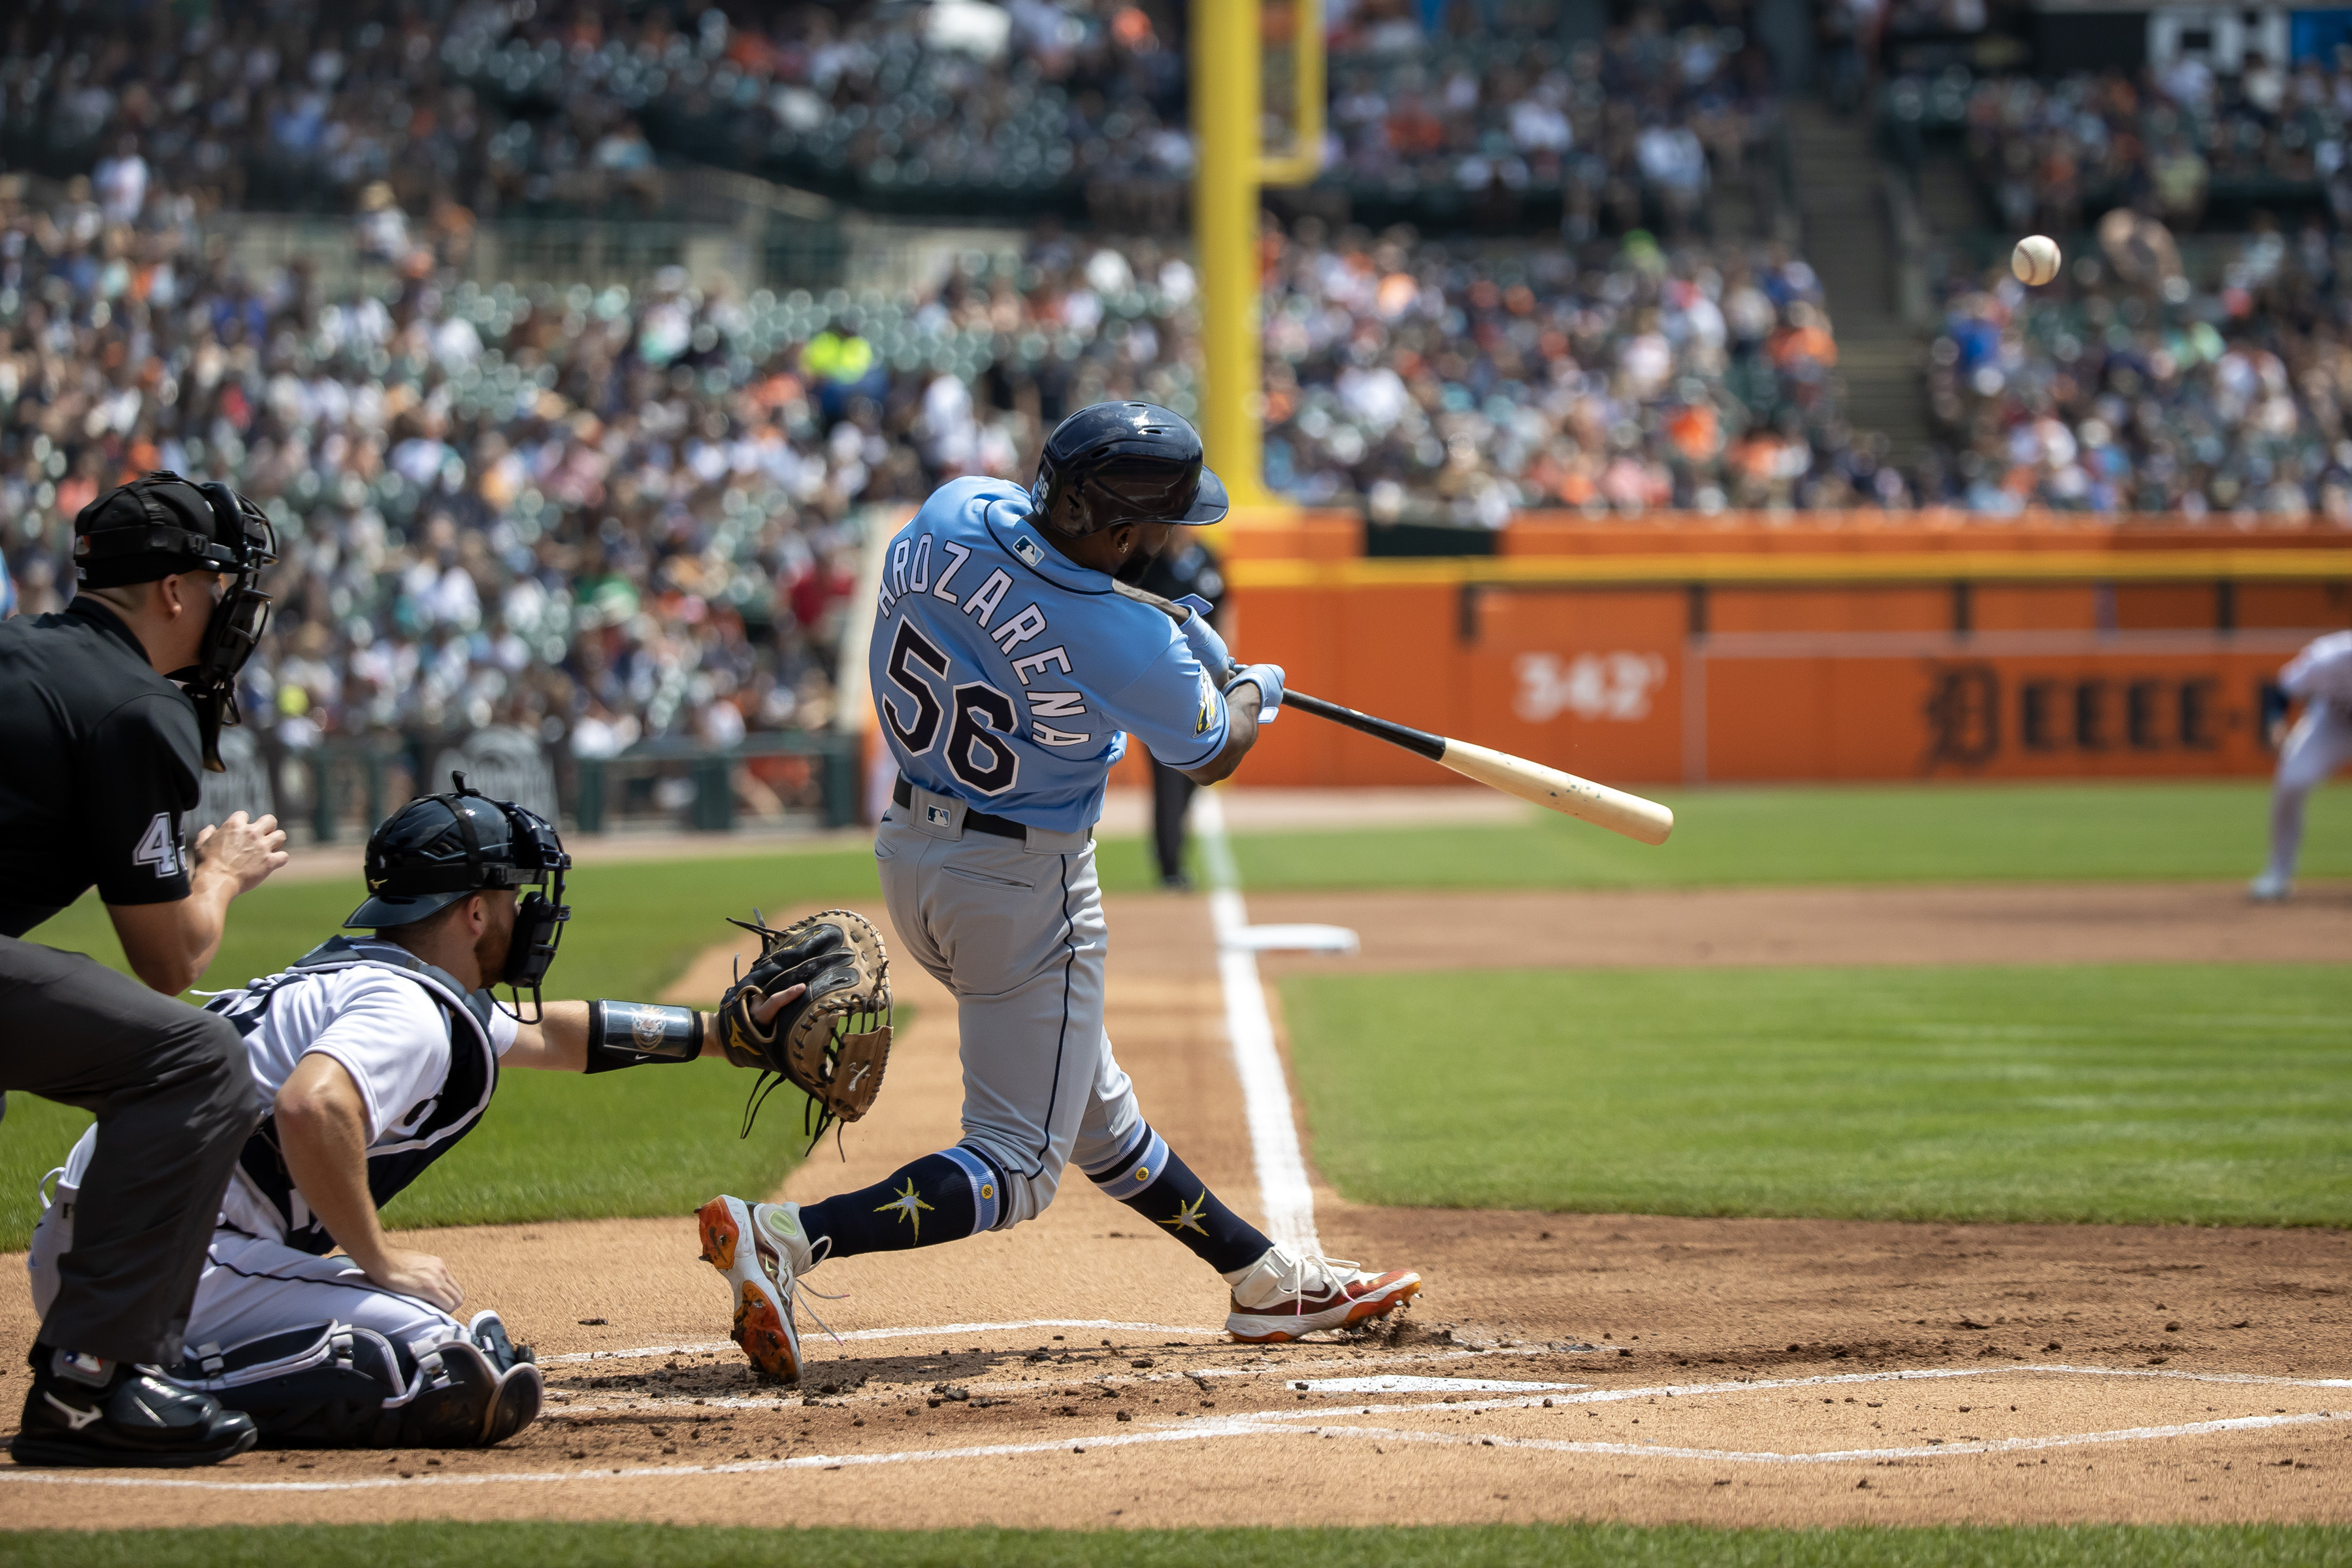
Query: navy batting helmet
1123,462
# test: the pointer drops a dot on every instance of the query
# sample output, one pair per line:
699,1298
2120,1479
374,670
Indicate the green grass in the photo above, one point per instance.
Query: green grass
1926,833
565,1545
2204,1094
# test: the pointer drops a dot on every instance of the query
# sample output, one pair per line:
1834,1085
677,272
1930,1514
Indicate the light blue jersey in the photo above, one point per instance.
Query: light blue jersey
1008,675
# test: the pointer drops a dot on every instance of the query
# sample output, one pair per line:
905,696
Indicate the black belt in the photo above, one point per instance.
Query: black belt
903,794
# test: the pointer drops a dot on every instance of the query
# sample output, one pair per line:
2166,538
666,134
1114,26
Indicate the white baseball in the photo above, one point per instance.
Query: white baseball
2035,259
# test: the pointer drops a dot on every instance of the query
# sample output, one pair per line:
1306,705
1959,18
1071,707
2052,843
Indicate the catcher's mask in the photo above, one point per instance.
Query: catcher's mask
1111,463
162,524
439,848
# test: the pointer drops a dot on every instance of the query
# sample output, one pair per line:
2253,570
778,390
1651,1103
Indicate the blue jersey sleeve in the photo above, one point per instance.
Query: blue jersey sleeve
1173,708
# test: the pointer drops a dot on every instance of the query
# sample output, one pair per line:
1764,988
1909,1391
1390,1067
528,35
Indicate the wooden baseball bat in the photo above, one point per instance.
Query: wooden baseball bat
1614,809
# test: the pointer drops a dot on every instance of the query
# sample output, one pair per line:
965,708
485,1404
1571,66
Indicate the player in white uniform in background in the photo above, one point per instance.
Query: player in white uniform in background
2321,742
1008,675
376,1056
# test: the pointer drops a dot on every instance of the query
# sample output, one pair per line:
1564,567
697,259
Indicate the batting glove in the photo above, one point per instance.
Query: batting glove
1267,678
1202,638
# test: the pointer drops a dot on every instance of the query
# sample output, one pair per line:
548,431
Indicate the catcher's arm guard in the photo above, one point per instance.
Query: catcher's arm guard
638,1034
833,1041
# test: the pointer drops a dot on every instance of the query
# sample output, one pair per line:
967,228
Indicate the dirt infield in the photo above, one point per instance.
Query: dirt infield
1069,1373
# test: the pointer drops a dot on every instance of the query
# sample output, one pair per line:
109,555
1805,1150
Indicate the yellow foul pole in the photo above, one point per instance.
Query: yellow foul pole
1227,94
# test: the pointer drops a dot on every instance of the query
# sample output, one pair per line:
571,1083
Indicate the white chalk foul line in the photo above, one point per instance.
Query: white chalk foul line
1284,1191
1231,1428
1838,1457
1287,1423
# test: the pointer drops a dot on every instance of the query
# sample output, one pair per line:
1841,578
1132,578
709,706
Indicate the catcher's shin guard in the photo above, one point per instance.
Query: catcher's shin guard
333,1385
760,1279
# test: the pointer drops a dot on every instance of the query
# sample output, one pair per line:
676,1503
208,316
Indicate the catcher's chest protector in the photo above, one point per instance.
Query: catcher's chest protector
464,1092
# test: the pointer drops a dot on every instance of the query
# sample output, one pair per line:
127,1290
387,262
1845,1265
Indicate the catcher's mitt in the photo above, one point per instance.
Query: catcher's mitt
831,1043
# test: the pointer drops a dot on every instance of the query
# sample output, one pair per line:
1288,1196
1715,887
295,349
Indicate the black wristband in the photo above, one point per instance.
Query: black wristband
634,1034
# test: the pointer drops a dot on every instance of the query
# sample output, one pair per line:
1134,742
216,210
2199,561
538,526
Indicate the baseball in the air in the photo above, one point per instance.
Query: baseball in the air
2035,259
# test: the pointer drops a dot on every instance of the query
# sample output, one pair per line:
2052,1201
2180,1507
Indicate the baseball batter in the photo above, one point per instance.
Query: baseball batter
1007,676
2320,676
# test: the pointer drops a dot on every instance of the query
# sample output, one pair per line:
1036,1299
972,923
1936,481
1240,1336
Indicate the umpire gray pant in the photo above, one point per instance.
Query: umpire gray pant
174,1101
1015,930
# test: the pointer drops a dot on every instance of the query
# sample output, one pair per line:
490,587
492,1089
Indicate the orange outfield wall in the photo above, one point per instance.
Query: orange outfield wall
1764,666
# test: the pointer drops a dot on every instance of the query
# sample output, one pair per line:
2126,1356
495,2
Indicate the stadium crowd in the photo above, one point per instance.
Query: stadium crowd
2155,396
1428,382
582,513
488,105
616,515
2044,151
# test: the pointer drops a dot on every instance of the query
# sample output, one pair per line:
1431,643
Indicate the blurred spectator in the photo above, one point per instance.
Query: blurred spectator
2044,153
2102,396
1462,386
494,105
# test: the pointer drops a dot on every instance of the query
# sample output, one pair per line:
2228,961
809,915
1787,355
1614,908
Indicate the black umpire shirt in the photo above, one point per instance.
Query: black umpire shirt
98,763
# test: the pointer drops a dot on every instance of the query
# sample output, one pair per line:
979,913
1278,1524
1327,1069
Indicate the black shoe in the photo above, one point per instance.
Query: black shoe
137,1419
1177,882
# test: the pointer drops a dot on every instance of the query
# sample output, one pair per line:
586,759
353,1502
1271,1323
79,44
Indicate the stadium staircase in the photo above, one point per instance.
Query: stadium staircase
1840,196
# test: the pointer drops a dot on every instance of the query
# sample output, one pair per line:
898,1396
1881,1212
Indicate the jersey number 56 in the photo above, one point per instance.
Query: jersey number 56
976,752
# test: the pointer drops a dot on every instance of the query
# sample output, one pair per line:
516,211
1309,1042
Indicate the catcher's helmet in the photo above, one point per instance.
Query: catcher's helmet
439,848
1123,462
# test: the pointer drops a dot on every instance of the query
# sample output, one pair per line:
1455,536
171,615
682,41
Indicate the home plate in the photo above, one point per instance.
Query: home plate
1293,938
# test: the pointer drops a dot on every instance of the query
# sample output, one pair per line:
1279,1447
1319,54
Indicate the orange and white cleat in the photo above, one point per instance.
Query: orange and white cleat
1285,1295
752,1244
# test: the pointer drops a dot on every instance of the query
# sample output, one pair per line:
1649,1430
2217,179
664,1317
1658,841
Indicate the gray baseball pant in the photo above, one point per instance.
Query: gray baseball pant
1014,928
174,1101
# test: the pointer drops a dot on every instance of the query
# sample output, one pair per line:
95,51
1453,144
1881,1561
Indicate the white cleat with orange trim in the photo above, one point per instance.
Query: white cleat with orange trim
761,1249
1286,1294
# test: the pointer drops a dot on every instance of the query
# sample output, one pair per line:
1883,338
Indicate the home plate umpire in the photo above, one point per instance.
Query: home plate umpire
111,705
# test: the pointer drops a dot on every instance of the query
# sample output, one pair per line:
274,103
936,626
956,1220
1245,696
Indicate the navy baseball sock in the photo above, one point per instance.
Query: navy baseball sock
1150,1180
941,1197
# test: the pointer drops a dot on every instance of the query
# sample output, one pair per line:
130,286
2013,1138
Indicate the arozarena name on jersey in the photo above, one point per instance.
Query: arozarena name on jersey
909,572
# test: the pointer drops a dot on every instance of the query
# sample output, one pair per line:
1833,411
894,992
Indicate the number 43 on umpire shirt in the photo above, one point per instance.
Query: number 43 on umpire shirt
99,756
1008,675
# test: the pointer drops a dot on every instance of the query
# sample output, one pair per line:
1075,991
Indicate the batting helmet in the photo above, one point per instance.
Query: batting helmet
1123,462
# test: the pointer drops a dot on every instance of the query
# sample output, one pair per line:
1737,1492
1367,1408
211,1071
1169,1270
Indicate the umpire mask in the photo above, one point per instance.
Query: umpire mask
161,525
439,848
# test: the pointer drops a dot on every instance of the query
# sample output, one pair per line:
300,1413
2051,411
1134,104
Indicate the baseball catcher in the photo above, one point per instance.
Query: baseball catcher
376,1055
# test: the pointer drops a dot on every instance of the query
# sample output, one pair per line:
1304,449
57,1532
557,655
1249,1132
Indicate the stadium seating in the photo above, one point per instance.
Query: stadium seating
933,109
2098,395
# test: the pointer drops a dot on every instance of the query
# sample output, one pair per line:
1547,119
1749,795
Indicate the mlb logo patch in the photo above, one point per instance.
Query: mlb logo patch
1028,549
939,817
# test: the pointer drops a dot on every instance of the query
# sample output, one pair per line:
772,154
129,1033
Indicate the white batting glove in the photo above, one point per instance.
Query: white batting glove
1267,678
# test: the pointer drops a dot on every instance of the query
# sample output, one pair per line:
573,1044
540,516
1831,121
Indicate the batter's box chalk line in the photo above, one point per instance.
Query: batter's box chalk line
1292,1423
